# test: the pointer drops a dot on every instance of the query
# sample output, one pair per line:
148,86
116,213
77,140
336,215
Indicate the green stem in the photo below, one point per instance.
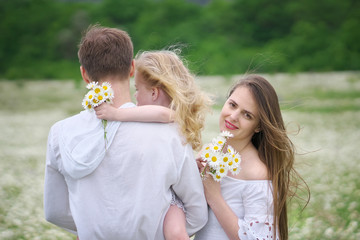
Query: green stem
104,123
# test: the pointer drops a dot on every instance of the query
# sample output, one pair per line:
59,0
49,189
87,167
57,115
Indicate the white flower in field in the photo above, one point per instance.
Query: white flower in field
226,134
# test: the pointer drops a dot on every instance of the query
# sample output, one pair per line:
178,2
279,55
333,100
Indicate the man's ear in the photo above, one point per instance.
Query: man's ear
132,69
84,75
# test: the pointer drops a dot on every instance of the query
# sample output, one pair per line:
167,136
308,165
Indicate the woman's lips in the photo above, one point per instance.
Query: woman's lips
230,125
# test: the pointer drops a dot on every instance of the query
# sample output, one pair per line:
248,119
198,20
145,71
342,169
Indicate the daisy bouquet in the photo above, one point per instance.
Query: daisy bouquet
97,95
219,158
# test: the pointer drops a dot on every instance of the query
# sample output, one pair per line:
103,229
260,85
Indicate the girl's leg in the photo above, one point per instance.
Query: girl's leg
174,224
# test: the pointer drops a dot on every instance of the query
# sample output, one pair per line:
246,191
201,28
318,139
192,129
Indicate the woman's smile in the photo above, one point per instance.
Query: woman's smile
230,126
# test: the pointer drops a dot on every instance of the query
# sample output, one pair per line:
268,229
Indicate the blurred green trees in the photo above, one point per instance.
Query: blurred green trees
39,38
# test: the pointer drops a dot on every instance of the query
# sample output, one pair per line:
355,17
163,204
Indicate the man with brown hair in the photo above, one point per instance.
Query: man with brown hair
123,191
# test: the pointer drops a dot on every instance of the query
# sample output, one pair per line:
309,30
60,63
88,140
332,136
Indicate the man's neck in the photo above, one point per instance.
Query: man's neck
121,88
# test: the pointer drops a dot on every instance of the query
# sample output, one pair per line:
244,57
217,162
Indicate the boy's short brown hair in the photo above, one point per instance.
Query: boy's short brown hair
105,52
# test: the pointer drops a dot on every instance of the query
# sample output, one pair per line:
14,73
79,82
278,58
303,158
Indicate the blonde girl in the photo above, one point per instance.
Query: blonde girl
166,91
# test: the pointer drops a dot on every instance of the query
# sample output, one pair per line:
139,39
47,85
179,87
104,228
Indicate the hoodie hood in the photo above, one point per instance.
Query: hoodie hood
82,142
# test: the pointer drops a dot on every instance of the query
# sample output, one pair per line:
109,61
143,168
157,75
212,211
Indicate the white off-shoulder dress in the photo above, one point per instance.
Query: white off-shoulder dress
252,202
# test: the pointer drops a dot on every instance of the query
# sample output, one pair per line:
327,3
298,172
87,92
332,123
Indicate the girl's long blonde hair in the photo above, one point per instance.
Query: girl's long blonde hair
166,70
275,148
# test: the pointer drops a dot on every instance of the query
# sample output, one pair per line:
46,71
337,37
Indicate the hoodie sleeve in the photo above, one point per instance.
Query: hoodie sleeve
56,196
190,190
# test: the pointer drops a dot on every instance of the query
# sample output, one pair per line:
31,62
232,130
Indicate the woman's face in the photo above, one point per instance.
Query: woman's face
143,93
240,115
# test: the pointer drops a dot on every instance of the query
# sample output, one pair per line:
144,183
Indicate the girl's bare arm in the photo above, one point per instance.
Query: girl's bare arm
145,113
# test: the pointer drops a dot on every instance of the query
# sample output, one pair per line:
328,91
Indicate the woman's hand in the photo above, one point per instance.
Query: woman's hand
106,111
200,164
212,189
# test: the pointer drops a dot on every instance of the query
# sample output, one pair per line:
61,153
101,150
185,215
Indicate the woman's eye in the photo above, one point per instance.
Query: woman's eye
247,116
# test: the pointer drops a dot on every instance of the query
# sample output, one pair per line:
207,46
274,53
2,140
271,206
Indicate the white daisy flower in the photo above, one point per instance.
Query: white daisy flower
97,89
222,170
217,177
91,85
214,159
220,141
205,155
87,104
226,134
90,95
109,95
215,147
230,150
236,158
235,171
225,158
106,86
95,102
100,97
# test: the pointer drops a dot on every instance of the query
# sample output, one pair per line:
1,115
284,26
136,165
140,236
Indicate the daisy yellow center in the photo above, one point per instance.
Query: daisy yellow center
222,170
90,96
105,87
218,176
230,163
234,169
236,160
207,155
106,94
100,98
97,90
216,147
220,142
225,159
207,148
214,159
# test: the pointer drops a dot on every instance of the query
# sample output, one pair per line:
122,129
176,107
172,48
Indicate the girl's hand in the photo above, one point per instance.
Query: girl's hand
106,111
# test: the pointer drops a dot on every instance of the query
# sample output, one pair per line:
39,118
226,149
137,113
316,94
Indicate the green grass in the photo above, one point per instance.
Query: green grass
325,106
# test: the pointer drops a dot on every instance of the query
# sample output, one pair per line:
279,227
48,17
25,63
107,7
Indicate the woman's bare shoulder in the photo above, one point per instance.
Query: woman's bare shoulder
252,168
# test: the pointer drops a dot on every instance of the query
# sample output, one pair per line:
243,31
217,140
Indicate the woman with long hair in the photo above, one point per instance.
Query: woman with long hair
252,204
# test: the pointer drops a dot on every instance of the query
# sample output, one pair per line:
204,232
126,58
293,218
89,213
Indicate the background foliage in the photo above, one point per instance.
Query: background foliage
38,38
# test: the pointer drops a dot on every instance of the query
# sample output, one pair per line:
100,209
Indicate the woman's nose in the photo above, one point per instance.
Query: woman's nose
235,116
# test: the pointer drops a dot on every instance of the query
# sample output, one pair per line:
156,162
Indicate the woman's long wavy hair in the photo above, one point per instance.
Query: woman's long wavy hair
275,148
166,70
